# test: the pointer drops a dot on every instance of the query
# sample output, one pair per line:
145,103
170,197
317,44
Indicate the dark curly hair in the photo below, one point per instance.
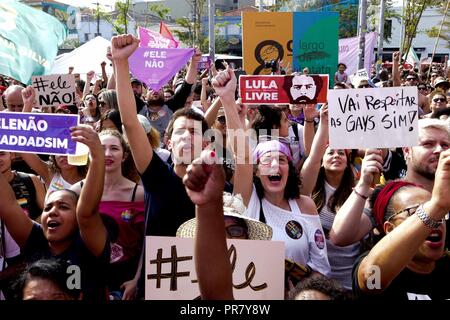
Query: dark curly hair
322,284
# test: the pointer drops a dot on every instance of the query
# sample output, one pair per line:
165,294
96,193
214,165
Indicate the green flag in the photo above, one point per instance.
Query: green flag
29,40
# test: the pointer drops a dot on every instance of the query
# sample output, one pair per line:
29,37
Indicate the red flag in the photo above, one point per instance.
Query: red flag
165,32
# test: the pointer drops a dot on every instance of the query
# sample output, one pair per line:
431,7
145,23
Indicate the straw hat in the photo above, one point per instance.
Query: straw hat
233,206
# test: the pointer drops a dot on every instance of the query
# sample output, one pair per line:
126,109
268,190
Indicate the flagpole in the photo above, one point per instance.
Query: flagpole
362,33
380,37
212,40
437,39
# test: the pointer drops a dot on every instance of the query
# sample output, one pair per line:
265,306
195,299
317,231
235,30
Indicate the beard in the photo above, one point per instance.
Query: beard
302,100
424,171
154,102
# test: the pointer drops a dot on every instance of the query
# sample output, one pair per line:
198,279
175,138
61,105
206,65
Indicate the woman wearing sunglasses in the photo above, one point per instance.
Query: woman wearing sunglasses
410,261
438,101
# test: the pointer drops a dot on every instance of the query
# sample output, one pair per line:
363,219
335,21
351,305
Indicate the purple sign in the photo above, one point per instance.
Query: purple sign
156,66
205,63
37,133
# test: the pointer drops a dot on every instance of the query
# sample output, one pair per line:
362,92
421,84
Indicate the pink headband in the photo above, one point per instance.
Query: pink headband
269,146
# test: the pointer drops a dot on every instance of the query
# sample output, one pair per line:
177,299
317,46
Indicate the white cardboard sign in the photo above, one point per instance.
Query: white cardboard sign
170,269
373,118
55,89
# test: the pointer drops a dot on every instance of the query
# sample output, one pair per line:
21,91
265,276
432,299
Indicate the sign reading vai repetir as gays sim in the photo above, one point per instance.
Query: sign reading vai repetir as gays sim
37,133
293,89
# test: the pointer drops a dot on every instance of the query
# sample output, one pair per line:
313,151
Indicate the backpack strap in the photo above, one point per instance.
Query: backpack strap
295,129
262,218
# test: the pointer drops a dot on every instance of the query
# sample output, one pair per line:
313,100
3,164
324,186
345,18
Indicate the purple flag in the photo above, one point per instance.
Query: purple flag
37,132
155,66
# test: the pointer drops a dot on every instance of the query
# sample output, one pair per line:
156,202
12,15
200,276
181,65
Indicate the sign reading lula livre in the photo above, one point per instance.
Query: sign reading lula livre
294,89
155,66
55,89
170,269
37,133
373,118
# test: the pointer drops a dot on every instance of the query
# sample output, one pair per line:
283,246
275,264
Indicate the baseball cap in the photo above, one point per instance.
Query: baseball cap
135,80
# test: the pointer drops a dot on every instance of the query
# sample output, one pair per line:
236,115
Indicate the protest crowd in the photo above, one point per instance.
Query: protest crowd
194,158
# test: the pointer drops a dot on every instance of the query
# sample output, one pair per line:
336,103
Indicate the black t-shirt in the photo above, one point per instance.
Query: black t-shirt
93,269
409,285
167,204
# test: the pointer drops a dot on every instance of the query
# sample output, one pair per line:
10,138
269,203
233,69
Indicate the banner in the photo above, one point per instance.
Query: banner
29,40
156,66
266,37
152,39
373,118
348,52
37,133
205,63
293,89
170,269
314,47
165,32
68,15
54,90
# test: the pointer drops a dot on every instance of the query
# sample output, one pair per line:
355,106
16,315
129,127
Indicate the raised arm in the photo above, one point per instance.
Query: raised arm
28,97
87,86
17,223
191,75
350,224
310,169
395,69
225,85
104,75
211,113
395,250
112,80
204,95
310,113
91,226
204,185
121,48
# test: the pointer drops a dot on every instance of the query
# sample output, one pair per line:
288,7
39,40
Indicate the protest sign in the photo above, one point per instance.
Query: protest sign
266,37
54,90
37,133
205,63
313,48
348,52
152,39
156,66
294,89
29,40
68,15
373,118
170,269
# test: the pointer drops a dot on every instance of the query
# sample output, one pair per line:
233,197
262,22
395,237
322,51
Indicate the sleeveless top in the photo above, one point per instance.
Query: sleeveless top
302,233
125,224
25,192
341,258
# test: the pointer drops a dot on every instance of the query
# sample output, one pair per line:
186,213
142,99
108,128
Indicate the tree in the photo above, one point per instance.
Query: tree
445,32
413,13
373,17
121,21
159,10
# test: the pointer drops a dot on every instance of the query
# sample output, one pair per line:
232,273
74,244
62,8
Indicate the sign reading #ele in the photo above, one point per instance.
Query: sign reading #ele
55,89
294,89
373,118
37,133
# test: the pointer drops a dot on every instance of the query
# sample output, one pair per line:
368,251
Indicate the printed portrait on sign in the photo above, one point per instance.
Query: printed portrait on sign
303,88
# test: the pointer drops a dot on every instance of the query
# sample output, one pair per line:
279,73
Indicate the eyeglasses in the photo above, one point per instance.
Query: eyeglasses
410,79
236,231
222,119
439,100
410,211
422,88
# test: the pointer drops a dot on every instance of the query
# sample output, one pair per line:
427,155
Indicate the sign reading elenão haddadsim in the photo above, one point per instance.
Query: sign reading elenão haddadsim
37,133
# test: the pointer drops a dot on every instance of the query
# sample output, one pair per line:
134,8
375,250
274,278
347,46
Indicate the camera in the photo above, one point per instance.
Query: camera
273,64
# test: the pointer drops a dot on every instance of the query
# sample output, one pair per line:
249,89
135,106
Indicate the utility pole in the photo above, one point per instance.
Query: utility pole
402,30
380,36
261,7
195,22
362,33
212,39
98,19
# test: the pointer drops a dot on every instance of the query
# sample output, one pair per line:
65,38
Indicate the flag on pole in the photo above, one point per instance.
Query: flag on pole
153,39
165,32
411,58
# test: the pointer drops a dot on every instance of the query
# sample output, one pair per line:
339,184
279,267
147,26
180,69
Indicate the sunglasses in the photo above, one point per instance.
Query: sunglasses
236,231
222,119
410,79
422,88
364,86
439,100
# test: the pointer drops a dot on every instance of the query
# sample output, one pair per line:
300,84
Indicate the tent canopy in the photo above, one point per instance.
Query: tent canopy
85,58
223,57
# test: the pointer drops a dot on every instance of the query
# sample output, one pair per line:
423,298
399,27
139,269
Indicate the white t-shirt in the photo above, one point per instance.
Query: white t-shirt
11,249
58,183
302,233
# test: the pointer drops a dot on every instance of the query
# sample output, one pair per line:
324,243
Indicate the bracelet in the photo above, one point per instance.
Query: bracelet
359,194
425,218
309,120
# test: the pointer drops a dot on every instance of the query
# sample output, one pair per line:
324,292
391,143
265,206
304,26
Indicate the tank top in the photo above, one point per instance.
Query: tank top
341,258
58,183
125,224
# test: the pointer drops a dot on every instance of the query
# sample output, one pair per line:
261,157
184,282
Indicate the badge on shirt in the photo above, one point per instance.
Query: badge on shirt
294,229
127,215
319,239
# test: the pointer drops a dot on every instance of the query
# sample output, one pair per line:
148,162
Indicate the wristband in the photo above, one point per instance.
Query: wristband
359,194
